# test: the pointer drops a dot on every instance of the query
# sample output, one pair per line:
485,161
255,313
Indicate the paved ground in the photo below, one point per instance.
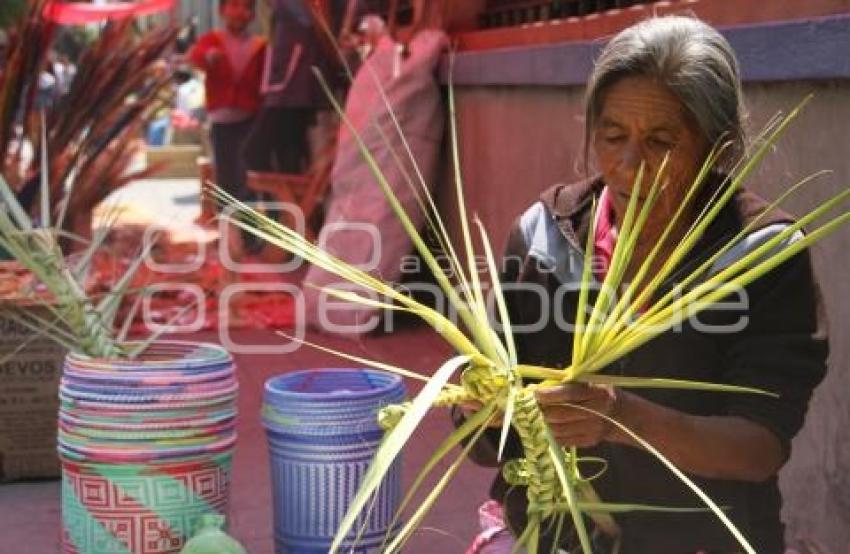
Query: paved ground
172,203
30,521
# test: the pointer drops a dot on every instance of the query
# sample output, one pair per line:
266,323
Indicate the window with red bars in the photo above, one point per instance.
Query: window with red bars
508,13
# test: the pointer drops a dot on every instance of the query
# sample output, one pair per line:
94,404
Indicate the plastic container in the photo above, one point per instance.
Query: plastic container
146,447
323,433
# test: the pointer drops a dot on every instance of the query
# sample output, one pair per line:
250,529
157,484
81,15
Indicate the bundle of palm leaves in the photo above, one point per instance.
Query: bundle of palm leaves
607,328
92,130
95,127
25,57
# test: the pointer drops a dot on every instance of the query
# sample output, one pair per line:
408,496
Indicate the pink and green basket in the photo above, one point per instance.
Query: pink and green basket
146,447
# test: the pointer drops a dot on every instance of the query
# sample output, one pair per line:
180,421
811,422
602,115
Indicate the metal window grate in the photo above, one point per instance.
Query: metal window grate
508,13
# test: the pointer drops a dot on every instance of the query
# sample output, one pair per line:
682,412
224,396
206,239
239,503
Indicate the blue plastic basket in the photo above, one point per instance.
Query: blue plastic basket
322,431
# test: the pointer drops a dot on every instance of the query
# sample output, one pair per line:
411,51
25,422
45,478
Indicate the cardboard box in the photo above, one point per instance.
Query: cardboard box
29,383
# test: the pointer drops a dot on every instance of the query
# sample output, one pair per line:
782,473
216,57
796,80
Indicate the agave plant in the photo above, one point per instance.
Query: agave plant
608,326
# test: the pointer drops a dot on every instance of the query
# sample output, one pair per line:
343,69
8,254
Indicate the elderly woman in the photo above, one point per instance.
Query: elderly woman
669,86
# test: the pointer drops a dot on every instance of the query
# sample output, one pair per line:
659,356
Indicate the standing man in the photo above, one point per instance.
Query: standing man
292,95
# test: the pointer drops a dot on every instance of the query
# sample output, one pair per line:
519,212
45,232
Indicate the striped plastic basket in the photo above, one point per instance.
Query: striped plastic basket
146,447
322,432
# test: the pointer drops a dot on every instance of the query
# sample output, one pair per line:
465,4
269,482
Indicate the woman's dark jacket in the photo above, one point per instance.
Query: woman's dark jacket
777,343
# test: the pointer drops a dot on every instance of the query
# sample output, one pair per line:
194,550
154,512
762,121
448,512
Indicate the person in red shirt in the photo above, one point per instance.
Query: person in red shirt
232,59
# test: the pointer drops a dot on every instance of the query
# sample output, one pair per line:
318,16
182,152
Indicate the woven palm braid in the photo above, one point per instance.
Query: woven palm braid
536,471
539,474
480,384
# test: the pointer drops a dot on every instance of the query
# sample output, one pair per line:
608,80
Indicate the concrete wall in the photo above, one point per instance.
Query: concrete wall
816,482
517,140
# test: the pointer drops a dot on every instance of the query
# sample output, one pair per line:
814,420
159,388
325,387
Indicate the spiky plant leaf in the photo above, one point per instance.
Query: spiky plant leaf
393,443
471,430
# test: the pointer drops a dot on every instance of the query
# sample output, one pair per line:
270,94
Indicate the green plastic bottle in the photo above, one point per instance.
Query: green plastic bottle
210,539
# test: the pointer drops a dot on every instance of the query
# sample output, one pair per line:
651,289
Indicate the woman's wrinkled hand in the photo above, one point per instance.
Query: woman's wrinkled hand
573,426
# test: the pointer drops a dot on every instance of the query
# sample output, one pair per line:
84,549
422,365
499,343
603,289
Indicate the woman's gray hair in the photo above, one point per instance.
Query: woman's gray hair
692,60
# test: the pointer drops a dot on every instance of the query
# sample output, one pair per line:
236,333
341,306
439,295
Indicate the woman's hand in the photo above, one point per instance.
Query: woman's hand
573,426
716,447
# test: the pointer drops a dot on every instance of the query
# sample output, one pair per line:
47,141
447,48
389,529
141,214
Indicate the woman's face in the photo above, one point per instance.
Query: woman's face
641,121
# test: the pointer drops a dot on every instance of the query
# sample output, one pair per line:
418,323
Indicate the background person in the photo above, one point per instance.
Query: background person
232,59
292,95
